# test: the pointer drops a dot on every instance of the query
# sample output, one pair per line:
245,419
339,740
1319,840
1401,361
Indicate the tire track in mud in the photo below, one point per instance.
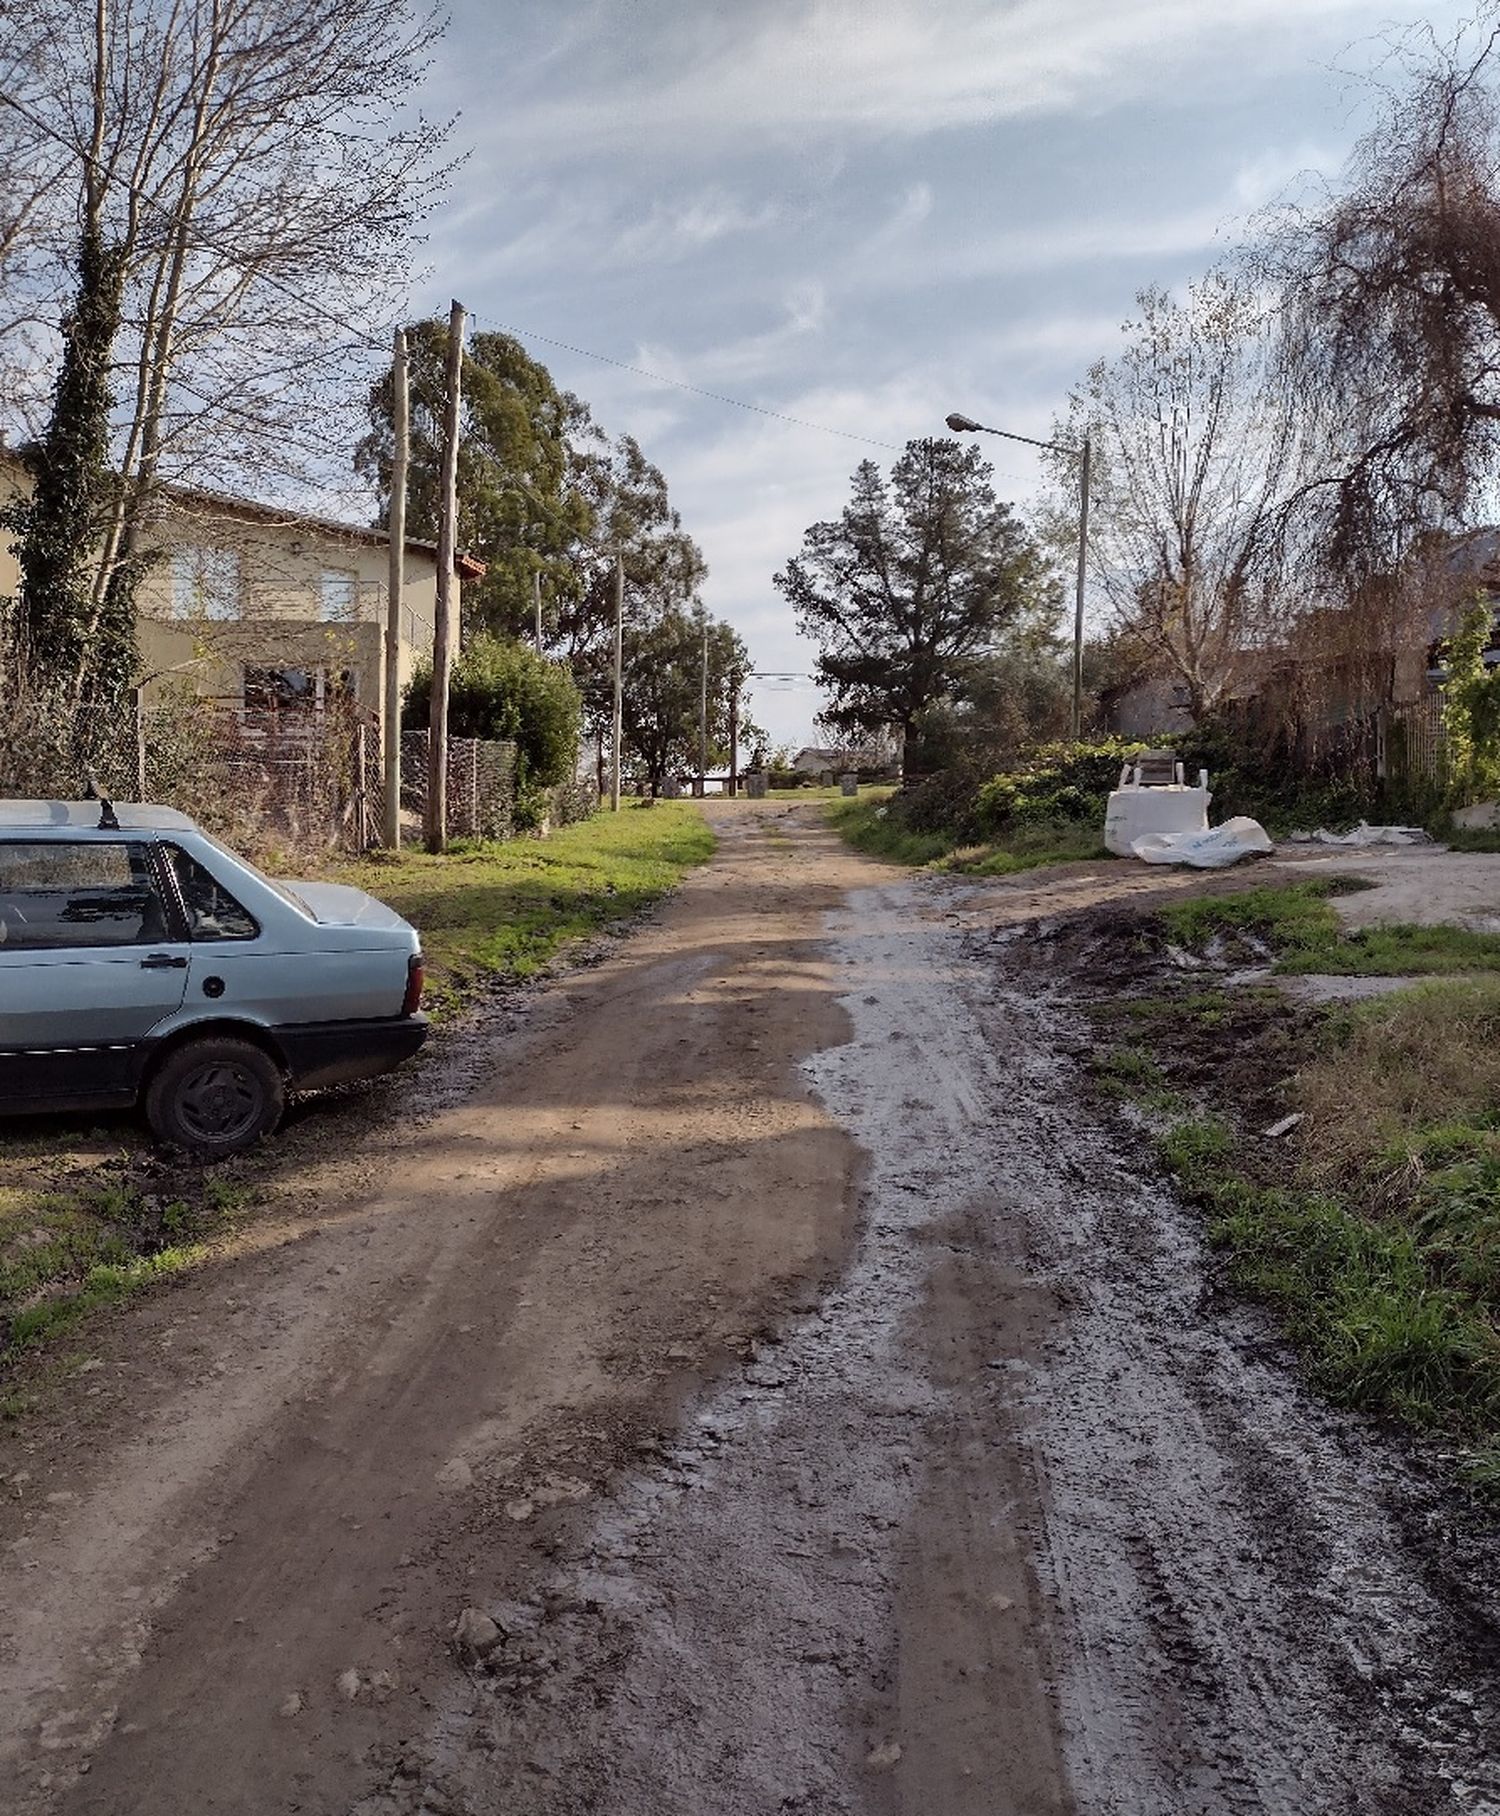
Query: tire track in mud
726,1636
1012,1521
1246,1626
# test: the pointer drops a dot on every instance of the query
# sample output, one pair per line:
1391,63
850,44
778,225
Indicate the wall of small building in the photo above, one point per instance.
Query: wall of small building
225,593
1148,707
13,485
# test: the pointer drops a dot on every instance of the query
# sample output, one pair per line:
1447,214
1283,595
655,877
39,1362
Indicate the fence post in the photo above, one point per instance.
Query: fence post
361,798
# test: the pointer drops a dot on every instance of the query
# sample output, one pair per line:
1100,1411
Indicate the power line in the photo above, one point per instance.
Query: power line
378,340
681,384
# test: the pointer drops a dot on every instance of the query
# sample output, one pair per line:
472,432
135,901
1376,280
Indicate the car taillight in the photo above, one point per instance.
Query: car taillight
416,976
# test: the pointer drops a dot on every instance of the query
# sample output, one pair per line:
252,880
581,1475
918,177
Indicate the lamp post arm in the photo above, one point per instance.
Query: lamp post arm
966,425
1052,447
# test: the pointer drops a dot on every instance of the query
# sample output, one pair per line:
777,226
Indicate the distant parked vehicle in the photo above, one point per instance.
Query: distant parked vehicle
142,962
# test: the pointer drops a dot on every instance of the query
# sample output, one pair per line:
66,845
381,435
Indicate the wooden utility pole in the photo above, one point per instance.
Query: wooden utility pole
1085,462
444,628
619,707
536,588
395,583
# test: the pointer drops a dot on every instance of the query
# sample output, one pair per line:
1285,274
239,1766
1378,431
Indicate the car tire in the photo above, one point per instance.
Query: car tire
215,1096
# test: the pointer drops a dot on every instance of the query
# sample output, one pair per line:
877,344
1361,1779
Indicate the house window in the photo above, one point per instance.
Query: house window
338,593
205,583
283,691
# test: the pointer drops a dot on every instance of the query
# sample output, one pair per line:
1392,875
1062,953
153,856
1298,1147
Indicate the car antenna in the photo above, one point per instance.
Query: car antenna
108,820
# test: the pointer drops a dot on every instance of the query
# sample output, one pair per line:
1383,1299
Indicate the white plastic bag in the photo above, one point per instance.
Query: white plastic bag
1215,849
1365,834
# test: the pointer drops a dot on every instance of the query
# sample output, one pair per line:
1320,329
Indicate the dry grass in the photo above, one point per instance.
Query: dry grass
1374,1229
1396,1069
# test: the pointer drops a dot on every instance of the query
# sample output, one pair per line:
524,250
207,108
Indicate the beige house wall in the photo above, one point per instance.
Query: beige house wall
227,592
232,586
13,485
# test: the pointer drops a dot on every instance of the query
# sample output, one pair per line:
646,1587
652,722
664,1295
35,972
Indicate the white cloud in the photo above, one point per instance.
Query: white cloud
796,70
675,229
736,362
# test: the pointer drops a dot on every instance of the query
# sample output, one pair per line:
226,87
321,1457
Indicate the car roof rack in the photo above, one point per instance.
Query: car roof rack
108,819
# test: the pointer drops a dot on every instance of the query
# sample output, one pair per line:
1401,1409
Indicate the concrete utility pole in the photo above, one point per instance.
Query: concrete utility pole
619,708
394,589
703,717
734,736
443,637
1085,461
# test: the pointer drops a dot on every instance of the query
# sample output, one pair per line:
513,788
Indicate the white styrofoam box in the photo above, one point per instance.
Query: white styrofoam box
1134,812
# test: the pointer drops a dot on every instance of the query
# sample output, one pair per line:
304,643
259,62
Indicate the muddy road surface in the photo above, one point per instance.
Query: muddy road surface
799,1396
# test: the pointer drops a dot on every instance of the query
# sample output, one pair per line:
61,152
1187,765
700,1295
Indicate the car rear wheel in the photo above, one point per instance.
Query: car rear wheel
215,1097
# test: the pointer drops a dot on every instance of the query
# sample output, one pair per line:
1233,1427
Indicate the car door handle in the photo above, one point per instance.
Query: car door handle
163,961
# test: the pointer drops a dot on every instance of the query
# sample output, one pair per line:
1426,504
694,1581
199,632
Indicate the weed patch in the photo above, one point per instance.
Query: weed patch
870,825
866,823
66,1253
1471,838
1300,929
1373,1228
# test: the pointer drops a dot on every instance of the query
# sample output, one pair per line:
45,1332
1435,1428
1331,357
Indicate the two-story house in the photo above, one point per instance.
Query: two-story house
268,612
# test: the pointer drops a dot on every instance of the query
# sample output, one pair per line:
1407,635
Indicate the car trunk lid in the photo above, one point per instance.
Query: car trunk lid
340,905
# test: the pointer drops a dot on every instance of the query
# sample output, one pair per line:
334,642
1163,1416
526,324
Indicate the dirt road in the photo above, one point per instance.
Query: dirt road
828,1407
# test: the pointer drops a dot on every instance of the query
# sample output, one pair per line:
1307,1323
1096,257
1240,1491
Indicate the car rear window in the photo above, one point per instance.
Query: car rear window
255,871
212,912
57,893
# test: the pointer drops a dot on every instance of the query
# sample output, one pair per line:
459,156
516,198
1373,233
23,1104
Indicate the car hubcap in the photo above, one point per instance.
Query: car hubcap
219,1102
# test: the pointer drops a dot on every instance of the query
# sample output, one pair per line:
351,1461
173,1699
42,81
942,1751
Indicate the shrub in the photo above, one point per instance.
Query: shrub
1057,782
504,689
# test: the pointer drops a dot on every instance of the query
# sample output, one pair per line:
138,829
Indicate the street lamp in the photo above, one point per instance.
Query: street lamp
966,425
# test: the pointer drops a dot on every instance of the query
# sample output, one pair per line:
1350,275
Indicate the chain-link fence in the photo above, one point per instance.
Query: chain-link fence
481,785
301,783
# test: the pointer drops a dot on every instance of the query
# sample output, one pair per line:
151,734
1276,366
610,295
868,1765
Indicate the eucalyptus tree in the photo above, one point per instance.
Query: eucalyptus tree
521,509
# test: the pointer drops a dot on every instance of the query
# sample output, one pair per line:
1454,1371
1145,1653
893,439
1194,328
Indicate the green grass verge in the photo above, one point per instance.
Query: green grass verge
1373,1229
1471,838
1301,927
487,912
1372,1304
65,1254
866,824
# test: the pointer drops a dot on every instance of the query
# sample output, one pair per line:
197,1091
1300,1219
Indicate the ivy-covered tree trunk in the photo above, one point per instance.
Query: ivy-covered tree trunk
77,644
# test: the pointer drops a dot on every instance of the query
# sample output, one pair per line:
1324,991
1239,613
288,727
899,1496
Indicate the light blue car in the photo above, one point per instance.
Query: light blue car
143,962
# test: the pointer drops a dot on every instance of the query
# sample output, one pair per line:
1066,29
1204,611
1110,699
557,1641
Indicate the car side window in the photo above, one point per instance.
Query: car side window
57,893
213,913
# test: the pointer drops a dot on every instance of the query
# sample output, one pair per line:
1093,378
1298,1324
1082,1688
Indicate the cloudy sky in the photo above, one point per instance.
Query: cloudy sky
862,214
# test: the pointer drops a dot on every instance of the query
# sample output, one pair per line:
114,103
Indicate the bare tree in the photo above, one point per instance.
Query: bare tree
250,172
1195,447
1391,315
